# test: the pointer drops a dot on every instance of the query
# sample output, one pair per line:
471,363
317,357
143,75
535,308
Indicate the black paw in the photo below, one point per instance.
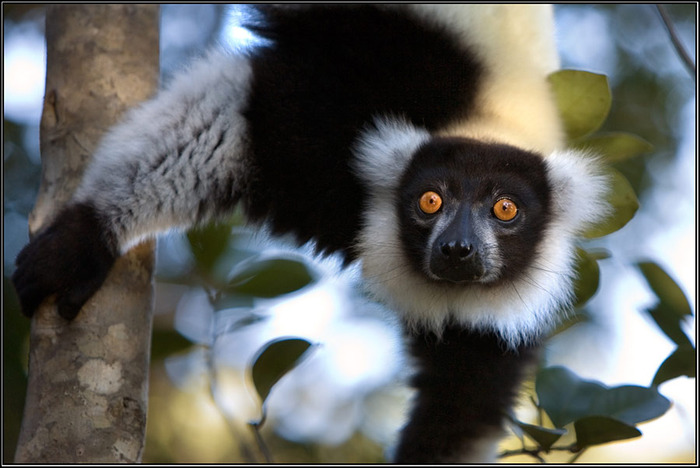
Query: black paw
70,259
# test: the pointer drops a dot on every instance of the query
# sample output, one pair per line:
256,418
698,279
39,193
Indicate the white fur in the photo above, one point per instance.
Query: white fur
519,310
195,128
580,187
383,153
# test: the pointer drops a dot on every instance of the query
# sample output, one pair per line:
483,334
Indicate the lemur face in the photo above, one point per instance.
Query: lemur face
472,212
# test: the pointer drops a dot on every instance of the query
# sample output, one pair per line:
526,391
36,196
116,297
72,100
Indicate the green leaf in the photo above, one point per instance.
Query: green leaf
564,396
274,361
208,242
666,289
682,361
666,319
630,404
615,146
595,430
270,277
583,99
623,202
588,278
673,306
543,436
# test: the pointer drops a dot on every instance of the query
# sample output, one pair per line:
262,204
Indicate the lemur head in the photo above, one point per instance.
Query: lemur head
471,212
474,232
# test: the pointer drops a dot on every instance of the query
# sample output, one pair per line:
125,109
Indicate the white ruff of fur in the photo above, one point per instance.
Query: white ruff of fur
517,310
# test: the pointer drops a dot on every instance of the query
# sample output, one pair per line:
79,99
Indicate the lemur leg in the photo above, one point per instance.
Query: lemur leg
466,384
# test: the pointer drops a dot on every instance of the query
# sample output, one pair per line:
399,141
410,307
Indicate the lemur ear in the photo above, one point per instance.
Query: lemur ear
384,150
579,188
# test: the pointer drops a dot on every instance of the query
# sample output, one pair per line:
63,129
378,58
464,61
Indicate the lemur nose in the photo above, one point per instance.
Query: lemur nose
456,250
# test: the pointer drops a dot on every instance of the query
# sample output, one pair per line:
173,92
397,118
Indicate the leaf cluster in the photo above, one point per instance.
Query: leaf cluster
584,100
669,313
232,292
589,411
257,276
598,414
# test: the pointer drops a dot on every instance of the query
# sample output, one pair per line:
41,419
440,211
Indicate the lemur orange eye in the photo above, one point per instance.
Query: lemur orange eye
430,202
505,209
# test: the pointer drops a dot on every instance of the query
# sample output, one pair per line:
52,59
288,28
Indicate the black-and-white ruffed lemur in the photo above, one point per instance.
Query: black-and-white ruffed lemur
419,140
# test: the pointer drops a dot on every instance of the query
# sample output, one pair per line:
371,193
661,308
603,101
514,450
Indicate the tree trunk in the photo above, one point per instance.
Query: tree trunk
88,379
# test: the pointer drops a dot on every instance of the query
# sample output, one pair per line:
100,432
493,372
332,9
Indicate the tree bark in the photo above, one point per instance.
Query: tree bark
88,379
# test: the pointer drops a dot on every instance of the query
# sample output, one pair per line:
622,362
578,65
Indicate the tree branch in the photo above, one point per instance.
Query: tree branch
687,61
88,379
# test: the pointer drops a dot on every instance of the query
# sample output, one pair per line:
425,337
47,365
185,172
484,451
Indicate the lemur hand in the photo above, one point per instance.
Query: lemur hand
70,259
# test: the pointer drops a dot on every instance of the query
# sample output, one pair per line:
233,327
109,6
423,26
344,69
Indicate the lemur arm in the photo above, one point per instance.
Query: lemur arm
172,162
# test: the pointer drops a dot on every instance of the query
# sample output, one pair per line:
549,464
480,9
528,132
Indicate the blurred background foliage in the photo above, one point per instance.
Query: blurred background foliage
215,295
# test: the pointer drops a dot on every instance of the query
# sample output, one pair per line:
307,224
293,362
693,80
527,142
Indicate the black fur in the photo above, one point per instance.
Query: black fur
470,174
71,258
318,86
466,384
